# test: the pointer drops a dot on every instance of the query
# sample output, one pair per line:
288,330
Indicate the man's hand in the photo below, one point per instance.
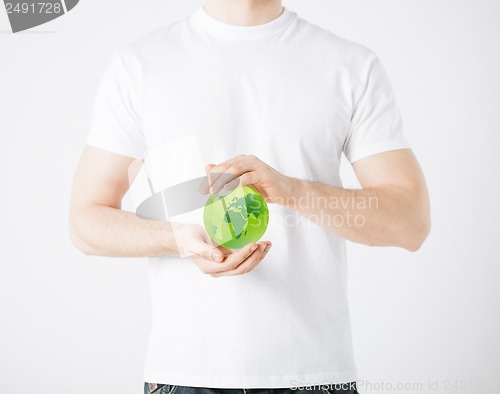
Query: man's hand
391,209
195,243
246,170
98,226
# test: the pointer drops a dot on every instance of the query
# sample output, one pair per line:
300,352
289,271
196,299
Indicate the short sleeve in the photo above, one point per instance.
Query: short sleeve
376,124
116,123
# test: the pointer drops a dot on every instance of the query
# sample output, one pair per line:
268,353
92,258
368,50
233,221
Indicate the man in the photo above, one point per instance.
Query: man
272,101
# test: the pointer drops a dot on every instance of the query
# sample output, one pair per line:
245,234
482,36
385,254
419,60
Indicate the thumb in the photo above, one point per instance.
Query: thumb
205,184
210,252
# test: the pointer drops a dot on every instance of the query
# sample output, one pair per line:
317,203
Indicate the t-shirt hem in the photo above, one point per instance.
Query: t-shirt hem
373,149
114,147
277,381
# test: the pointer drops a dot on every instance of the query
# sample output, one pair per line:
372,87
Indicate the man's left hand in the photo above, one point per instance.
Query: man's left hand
246,170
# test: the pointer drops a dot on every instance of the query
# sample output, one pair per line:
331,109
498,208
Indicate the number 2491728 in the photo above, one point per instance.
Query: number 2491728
33,8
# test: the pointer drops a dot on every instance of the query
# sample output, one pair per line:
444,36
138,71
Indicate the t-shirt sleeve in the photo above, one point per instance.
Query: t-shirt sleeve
376,124
116,122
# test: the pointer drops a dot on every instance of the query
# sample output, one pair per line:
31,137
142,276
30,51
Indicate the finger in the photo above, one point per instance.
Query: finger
229,187
248,264
266,250
205,183
233,259
249,178
226,251
208,259
224,181
213,254
225,172
228,181
214,171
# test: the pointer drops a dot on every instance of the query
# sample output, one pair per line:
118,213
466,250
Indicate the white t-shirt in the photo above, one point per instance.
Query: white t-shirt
297,97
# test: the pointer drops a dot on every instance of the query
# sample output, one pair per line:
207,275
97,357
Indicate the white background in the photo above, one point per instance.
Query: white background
71,323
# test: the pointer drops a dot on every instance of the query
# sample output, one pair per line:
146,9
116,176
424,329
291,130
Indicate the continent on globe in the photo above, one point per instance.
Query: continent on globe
237,219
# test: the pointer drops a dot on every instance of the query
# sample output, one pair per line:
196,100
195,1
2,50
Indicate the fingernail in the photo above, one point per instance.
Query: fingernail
215,256
267,248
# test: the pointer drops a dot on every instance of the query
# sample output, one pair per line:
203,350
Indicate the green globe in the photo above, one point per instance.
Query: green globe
237,219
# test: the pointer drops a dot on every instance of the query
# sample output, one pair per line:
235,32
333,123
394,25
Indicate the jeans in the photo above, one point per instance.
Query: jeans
346,388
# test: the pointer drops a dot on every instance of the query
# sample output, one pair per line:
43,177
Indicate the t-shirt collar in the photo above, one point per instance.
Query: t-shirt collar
236,32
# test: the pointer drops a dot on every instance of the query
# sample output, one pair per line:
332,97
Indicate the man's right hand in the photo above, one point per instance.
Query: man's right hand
98,225
194,243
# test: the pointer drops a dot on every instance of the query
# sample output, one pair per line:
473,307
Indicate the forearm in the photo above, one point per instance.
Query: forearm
383,216
106,231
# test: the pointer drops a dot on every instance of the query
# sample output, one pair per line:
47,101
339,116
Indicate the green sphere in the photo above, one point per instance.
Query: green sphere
237,219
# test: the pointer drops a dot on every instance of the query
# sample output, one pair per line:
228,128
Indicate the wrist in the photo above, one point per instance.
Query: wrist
168,242
288,191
